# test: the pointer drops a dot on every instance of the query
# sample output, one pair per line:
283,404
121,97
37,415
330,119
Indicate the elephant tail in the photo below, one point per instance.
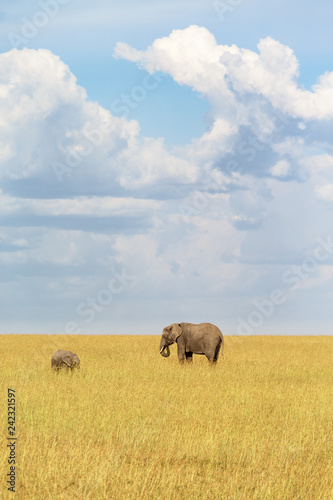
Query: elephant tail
222,346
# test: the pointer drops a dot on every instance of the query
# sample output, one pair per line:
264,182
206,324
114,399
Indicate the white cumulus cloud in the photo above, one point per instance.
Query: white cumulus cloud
193,57
204,227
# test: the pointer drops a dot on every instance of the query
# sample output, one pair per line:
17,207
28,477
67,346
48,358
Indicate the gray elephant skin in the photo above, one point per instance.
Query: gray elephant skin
204,338
66,360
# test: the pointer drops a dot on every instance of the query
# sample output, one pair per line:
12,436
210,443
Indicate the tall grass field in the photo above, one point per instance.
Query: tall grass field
134,425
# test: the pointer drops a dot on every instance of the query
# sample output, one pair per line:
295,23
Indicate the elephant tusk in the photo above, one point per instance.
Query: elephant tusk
162,350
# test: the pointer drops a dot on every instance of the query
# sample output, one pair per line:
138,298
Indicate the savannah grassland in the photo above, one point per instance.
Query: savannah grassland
133,425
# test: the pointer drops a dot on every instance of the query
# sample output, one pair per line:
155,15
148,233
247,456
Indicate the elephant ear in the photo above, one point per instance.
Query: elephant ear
67,359
176,331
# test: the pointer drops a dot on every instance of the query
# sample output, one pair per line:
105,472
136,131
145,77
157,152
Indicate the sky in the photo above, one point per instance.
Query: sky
166,162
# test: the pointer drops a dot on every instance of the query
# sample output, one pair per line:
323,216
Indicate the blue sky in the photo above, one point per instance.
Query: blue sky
166,161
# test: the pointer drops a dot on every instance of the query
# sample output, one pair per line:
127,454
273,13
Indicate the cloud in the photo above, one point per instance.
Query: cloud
261,123
193,57
204,227
82,205
280,169
50,131
325,192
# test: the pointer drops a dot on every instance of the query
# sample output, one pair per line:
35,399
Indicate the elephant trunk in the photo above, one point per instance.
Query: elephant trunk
165,351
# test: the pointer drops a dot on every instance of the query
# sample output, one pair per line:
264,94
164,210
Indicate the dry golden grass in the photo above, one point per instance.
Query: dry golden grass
133,425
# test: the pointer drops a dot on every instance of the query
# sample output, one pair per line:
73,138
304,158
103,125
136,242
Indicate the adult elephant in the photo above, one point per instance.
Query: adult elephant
204,338
64,359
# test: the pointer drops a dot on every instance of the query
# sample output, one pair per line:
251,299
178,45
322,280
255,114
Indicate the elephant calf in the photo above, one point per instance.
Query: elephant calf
204,338
64,359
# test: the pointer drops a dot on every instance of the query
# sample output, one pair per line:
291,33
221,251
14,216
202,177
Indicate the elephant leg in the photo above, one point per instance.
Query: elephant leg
181,353
210,357
189,357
